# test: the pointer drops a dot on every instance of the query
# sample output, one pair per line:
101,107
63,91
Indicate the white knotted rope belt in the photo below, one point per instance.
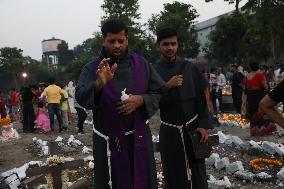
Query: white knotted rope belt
106,138
179,127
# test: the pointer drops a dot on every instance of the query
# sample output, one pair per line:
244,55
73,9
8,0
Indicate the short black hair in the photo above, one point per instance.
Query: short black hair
166,33
213,69
254,66
51,80
234,66
60,85
40,104
113,26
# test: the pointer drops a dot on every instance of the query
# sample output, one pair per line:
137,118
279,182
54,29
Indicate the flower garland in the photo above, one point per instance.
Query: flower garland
5,121
52,161
255,163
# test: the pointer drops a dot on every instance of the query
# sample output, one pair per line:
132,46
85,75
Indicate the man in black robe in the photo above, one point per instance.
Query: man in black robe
123,155
183,109
237,88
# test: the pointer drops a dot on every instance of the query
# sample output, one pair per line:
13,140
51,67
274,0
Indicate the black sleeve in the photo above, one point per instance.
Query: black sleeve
153,94
240,77
85,93
202,108
277,94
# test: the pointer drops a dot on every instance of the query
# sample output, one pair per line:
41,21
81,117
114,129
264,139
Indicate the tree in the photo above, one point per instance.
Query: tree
254,4
7,52
180,16
84,53
91,47
12,62
269,15
237,3
226,40
64,54
238,38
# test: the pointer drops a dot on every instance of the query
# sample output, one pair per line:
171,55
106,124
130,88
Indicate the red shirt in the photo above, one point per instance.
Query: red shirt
13,96
255,82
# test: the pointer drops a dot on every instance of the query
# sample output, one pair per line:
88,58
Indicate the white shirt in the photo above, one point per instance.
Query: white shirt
221,81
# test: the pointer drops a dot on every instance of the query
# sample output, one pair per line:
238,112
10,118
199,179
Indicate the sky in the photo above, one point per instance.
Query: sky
25,23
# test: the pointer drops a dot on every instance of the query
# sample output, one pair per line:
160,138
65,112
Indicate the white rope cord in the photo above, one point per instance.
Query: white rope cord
179,127
108,151
129,133
108,154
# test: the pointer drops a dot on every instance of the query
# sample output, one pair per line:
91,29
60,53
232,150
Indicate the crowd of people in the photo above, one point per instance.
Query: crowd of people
248,88
35,106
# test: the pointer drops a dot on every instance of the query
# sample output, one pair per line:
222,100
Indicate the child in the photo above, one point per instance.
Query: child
42,121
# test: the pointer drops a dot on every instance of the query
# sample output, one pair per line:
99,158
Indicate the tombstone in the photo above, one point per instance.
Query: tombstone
55,170
12,181
34,181
81,183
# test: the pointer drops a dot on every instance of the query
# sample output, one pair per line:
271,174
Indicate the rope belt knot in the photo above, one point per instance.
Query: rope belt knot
179,127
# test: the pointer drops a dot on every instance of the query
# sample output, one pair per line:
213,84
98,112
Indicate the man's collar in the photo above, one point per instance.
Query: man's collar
171,63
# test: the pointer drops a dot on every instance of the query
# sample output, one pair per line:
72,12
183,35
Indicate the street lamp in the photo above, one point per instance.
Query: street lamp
25,75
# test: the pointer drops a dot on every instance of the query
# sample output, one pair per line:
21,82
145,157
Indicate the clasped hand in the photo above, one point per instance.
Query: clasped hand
128,106
175,81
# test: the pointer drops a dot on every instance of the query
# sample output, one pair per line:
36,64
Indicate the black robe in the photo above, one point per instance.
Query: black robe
88,97
177,106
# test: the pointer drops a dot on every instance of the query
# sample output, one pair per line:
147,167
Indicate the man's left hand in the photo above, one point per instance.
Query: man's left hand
204,134
128,106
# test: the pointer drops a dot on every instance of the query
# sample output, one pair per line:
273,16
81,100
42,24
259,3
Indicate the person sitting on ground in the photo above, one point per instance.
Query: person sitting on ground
268,103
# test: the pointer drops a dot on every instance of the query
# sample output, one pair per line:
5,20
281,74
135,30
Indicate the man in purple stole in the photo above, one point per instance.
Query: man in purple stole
123,154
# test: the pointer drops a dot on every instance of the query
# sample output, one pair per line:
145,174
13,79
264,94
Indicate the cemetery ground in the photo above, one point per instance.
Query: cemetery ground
17,152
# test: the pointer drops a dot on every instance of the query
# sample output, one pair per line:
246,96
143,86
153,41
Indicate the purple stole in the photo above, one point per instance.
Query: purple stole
114,126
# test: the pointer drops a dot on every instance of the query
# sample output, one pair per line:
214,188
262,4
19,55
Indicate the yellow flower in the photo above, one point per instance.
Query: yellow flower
5,121
255,163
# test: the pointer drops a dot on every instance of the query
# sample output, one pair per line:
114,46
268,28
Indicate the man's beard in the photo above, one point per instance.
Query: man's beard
107,54
170,55
121,55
